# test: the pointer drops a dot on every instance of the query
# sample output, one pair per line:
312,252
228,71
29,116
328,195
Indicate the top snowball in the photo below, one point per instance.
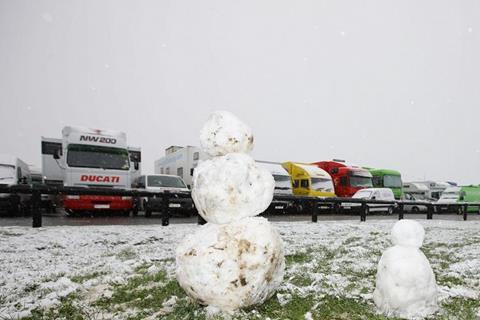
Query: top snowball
408,233
224,133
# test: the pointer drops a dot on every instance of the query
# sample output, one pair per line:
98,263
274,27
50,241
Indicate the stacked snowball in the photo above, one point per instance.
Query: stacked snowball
406,284
236,259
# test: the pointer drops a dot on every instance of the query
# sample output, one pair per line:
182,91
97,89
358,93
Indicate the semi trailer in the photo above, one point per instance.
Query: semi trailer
91,158
14,171
180,161
347,179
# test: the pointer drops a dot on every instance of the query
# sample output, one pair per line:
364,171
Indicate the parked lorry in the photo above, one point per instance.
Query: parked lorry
435,188
387,178
452,198
309,180
91,158
14,171
180,161
283,186
347,179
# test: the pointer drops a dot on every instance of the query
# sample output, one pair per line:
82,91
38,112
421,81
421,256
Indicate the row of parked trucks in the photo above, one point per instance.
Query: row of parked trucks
86,157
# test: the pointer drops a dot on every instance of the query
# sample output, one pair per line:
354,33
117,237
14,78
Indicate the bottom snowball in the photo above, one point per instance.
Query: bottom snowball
231,266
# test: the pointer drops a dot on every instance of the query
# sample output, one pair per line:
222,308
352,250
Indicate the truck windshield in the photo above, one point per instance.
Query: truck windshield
165,182
319,184
391,181
7,172
86,156
359,181
282,182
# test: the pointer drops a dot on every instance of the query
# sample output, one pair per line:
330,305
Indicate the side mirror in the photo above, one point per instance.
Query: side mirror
135,165
374,197
56,154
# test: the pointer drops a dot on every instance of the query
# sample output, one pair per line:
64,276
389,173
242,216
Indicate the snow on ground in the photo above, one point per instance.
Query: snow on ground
40,266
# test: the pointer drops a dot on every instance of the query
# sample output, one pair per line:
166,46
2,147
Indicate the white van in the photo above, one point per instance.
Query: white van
159,183
384,194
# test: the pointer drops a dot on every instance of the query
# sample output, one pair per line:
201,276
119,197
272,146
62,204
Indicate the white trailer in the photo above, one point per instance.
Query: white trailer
13,171
435,189
91,158
180,161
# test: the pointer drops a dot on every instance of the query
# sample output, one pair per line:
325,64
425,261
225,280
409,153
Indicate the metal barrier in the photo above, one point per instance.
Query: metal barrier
311,203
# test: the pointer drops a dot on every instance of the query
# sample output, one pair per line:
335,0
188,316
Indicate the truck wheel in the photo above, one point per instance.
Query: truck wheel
415,209
390,210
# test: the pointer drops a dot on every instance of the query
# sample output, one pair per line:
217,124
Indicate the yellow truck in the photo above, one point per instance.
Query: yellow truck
309,180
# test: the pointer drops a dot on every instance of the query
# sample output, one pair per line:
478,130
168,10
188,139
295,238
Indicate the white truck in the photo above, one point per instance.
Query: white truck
180,161
283,185
14,171
435,189
91,158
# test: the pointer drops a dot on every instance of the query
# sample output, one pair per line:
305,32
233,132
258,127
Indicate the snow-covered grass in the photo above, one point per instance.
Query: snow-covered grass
127,272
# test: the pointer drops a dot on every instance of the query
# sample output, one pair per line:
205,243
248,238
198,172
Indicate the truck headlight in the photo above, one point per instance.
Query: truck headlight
73,197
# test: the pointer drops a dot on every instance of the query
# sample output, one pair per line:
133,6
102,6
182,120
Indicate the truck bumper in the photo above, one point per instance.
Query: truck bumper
86,202
155,204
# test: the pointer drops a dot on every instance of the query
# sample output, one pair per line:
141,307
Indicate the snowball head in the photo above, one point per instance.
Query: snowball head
224,133
405,286
231,187
231,266
408,233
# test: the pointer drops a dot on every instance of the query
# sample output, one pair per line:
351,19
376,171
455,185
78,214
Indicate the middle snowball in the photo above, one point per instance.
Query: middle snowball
231,187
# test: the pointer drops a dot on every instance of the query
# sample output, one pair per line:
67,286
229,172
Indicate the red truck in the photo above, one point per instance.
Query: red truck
347,179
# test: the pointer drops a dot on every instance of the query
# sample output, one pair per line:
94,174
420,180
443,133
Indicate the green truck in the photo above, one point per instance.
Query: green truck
387,178
453,196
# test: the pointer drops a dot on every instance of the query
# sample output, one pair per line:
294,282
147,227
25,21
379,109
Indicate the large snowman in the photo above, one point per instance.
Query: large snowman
236,259
406,284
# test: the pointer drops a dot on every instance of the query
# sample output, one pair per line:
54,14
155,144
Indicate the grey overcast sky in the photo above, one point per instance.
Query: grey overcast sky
391,84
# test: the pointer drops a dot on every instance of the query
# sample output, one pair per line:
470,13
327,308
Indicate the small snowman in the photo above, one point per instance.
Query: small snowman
406,284
236,259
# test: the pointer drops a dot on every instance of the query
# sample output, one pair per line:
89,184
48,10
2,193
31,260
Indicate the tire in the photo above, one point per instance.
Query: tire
415,209
390,210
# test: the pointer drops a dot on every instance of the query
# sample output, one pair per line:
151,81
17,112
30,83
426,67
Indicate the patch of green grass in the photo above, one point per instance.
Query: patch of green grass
145,292
332,307
299,257
126,254
460,308
31,287
449,281
67,309
293,309
351,240
86,277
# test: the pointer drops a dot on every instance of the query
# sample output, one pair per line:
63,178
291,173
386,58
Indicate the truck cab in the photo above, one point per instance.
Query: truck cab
347,179
283,185
95,158
14,171
387,178
309,180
